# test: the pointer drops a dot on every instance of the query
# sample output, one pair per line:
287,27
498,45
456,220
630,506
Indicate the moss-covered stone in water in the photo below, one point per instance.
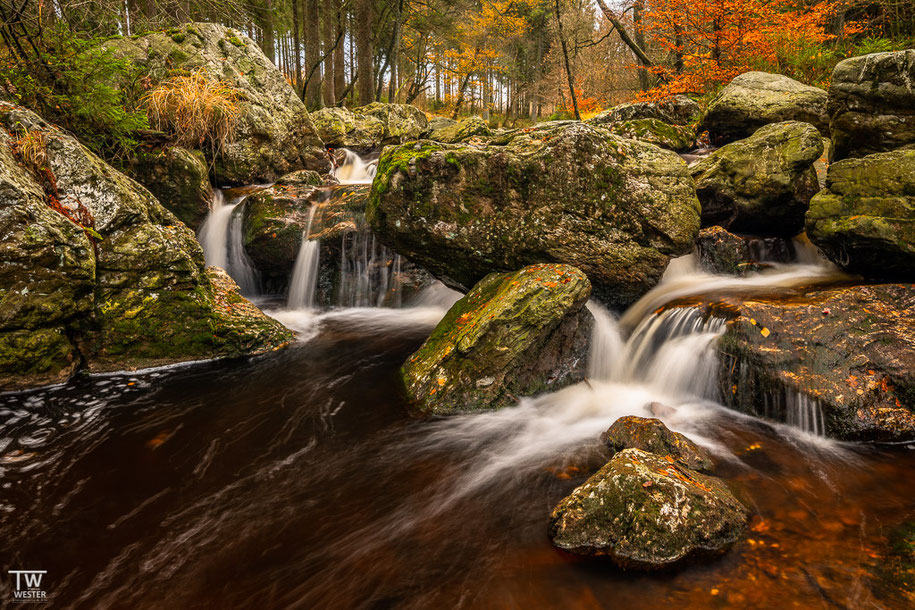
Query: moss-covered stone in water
644,511
653,436
515,334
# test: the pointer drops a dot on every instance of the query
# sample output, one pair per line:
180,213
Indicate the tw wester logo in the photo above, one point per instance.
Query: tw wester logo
28,586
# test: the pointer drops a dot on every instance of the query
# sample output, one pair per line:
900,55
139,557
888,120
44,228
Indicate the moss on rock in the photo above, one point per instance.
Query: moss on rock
653,436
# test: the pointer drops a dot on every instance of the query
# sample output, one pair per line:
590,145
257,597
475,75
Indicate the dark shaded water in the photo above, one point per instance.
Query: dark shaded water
299,480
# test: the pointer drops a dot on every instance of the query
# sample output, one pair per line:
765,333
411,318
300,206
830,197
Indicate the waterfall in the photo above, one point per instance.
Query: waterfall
369,272
355,169
222,238
805,412
306,269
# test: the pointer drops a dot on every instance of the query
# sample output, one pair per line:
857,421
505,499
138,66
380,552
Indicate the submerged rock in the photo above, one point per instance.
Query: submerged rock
678,138
179,179
275,134
644,511
565,192
673,110
840,359
726,253
865,218
754,99
761,185
894,576
515,334
872,103
97,274
370,126
653,436
459,132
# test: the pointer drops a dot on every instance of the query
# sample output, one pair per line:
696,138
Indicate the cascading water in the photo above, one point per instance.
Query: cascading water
222,237
306,268
369,272
355,169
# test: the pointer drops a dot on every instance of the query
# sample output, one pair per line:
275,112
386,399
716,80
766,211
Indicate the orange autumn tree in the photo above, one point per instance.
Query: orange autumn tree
708,42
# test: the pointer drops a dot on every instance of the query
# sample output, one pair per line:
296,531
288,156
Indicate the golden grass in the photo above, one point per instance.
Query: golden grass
195,110
31,147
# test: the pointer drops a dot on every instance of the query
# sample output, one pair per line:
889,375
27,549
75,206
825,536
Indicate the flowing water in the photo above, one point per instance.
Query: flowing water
356,169
222,237
299,479
305,272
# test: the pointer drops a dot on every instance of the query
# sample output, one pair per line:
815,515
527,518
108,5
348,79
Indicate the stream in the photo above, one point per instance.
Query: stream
299,478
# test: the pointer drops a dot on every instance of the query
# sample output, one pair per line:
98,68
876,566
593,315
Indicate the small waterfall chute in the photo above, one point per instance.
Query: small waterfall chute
222,237
355,169
306,269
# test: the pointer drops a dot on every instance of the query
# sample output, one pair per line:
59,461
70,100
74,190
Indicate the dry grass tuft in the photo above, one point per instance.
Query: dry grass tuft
195,110
31,149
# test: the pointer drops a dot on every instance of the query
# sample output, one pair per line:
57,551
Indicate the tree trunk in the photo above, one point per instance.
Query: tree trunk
339,60
365,83
644,80
565,56
312,55
269,40
624,35
329,21
296,46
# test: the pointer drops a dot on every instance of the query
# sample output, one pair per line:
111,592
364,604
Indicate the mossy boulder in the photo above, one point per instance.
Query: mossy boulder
645,511
678,138
370,126
865,218
471,127
761,185
274,135
729,254
754,99
178,178
97,274
872,103
844,355
566,192
515,334
653,436
673,110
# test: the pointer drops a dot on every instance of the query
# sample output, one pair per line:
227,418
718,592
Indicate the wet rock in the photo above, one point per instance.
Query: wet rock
761,185
275,134
865,218
726,253
647,512
178,178
97,274
471,127
563,192
653,436
754,99
659,409
515,334
872,103
673,110
842,359
672,137
370,126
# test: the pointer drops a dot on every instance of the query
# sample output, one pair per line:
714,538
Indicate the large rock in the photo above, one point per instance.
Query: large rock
275,134
840,359
645,511
370,126
673,110
653,436
761,185
515,334
471,127
178,178
678,138
865,218
754,99
617,209
97,274
872,103
725,253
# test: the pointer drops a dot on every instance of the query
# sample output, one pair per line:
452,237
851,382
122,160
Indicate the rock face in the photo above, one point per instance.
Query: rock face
459,132
370,126
872,103
674,110
678,138
754,99
729,254
179,179
845,356
761,185
653,436
275,134
644,511
865,218
96,274
515,334
568,192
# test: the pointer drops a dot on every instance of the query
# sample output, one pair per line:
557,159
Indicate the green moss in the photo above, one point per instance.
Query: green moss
235,40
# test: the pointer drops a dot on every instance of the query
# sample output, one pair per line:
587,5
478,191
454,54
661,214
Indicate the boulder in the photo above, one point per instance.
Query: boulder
678,138
567,192
754,99
761,185
673,110
726,253
97,274
459,132
647,512
865,218
515,334
872,103
653,436
438,122
835,360
178,178
274,135
370,126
